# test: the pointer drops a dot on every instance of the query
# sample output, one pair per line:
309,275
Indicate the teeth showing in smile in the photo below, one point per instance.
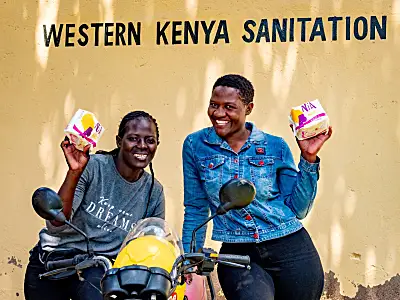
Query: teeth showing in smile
221,122
140,156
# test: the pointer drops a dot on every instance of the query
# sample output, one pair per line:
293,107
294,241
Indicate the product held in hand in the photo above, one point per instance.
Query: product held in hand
308,120
84,129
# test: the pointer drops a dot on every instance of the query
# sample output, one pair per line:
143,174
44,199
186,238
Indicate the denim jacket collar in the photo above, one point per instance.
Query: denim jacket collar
256,136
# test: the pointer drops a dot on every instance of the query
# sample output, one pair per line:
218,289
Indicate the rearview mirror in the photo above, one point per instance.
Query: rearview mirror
235,194
48,204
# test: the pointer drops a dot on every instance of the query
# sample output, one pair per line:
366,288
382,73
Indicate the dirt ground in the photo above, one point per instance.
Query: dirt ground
390,290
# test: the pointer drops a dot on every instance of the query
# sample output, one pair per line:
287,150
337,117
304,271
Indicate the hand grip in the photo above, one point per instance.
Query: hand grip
65,263
58,264
238,259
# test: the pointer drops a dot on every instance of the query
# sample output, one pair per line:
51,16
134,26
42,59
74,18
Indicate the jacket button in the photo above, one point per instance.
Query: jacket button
248,218
211,165
236,160
261,162
236,176
255,235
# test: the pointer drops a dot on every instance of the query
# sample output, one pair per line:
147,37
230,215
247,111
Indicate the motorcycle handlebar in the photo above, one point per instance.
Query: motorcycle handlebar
58,264
65,263
237,259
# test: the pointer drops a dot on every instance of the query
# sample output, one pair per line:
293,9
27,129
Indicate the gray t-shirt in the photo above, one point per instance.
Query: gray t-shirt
105,207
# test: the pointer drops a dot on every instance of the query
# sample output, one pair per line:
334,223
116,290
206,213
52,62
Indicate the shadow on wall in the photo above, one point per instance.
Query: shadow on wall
355,218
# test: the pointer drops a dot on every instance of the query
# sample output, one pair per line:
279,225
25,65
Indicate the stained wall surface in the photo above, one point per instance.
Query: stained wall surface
109,59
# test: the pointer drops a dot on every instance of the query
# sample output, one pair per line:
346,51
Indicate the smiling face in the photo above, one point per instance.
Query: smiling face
138,145
227,111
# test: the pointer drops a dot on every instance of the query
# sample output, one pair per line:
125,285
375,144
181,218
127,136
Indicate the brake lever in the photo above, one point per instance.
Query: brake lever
85,264
235,265
94,262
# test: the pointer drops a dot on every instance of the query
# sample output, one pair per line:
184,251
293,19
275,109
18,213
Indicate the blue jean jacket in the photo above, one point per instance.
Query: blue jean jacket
283,194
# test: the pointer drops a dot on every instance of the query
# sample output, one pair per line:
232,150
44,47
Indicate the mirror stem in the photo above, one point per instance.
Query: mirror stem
193,242
89,247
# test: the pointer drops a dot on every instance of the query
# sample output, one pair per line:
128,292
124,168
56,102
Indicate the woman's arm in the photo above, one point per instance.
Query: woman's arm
195,199
77,161
299,188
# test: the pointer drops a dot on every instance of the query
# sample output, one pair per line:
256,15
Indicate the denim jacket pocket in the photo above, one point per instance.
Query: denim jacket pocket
211,173
210,167
261,172
261,167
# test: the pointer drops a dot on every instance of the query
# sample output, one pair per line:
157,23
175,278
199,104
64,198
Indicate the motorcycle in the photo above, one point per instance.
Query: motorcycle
151,263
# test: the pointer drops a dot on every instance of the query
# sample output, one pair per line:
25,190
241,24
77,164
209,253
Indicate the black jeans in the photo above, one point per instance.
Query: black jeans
287,268
64,289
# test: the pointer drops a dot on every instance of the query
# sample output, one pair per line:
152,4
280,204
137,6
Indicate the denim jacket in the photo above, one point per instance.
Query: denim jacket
283,194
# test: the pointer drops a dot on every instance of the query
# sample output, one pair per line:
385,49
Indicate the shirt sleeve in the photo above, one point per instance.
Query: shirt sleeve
80,190
79,194
159,210
298,187
195,199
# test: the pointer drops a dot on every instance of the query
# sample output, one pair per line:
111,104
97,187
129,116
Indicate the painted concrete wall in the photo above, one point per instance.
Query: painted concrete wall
354,72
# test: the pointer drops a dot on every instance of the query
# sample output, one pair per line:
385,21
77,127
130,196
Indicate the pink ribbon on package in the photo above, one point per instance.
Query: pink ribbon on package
84,136
310,120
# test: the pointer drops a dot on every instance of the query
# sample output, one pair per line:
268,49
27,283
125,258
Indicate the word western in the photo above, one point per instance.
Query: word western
109,34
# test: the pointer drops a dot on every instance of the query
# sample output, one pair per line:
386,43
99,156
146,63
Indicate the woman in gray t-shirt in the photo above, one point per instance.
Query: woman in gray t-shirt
104,194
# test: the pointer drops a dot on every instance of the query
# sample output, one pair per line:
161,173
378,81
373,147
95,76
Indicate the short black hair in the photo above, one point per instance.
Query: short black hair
242,84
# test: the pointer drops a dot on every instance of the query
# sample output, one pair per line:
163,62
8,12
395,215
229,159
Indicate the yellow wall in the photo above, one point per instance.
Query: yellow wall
355,221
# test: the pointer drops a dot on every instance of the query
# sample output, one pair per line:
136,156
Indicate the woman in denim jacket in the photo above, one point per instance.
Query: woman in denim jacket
284,261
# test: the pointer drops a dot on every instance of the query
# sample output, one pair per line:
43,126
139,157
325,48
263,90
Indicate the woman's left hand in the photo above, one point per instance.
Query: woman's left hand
310,147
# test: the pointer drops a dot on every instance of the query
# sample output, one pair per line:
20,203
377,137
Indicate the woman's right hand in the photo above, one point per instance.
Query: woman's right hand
76,159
